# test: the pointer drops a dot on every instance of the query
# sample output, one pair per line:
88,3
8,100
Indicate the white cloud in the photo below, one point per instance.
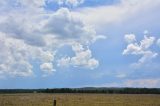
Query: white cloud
47,56
148,55
142,49
20,28
132,49
74,33
130,38
65,62
33,35
73,27
125,11
47,67
17,56
82,58
146,42
14,57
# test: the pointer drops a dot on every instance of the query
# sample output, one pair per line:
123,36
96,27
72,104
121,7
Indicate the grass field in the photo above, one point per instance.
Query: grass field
79,100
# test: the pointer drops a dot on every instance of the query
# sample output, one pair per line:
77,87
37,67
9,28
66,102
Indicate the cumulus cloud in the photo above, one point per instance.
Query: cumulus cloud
74,30
32,35
142,49
65,62
47,67
132,49
73,27
14,57
83,58
16,27
146,42
130,38
17,56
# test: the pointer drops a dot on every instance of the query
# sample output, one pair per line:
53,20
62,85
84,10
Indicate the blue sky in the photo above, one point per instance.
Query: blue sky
79,43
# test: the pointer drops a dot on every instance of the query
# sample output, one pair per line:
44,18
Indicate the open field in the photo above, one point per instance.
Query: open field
79,100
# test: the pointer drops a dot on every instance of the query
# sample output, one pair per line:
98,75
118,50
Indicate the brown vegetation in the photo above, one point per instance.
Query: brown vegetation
79,100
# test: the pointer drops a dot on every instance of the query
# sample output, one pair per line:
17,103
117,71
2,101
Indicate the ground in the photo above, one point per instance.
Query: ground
79,100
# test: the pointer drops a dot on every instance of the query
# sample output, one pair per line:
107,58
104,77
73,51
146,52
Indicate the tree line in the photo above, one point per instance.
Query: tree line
86,90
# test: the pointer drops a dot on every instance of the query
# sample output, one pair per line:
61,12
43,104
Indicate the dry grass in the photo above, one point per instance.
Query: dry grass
79,100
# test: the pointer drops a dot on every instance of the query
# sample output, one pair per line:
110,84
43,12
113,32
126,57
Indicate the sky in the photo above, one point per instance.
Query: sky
79,43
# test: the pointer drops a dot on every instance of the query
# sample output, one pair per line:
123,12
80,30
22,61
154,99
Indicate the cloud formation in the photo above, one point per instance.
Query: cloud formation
30,34
14,57
83,58
125,11
142,48
130,38
73,28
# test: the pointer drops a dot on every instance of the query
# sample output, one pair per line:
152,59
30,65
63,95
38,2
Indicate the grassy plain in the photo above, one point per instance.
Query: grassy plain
79,100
